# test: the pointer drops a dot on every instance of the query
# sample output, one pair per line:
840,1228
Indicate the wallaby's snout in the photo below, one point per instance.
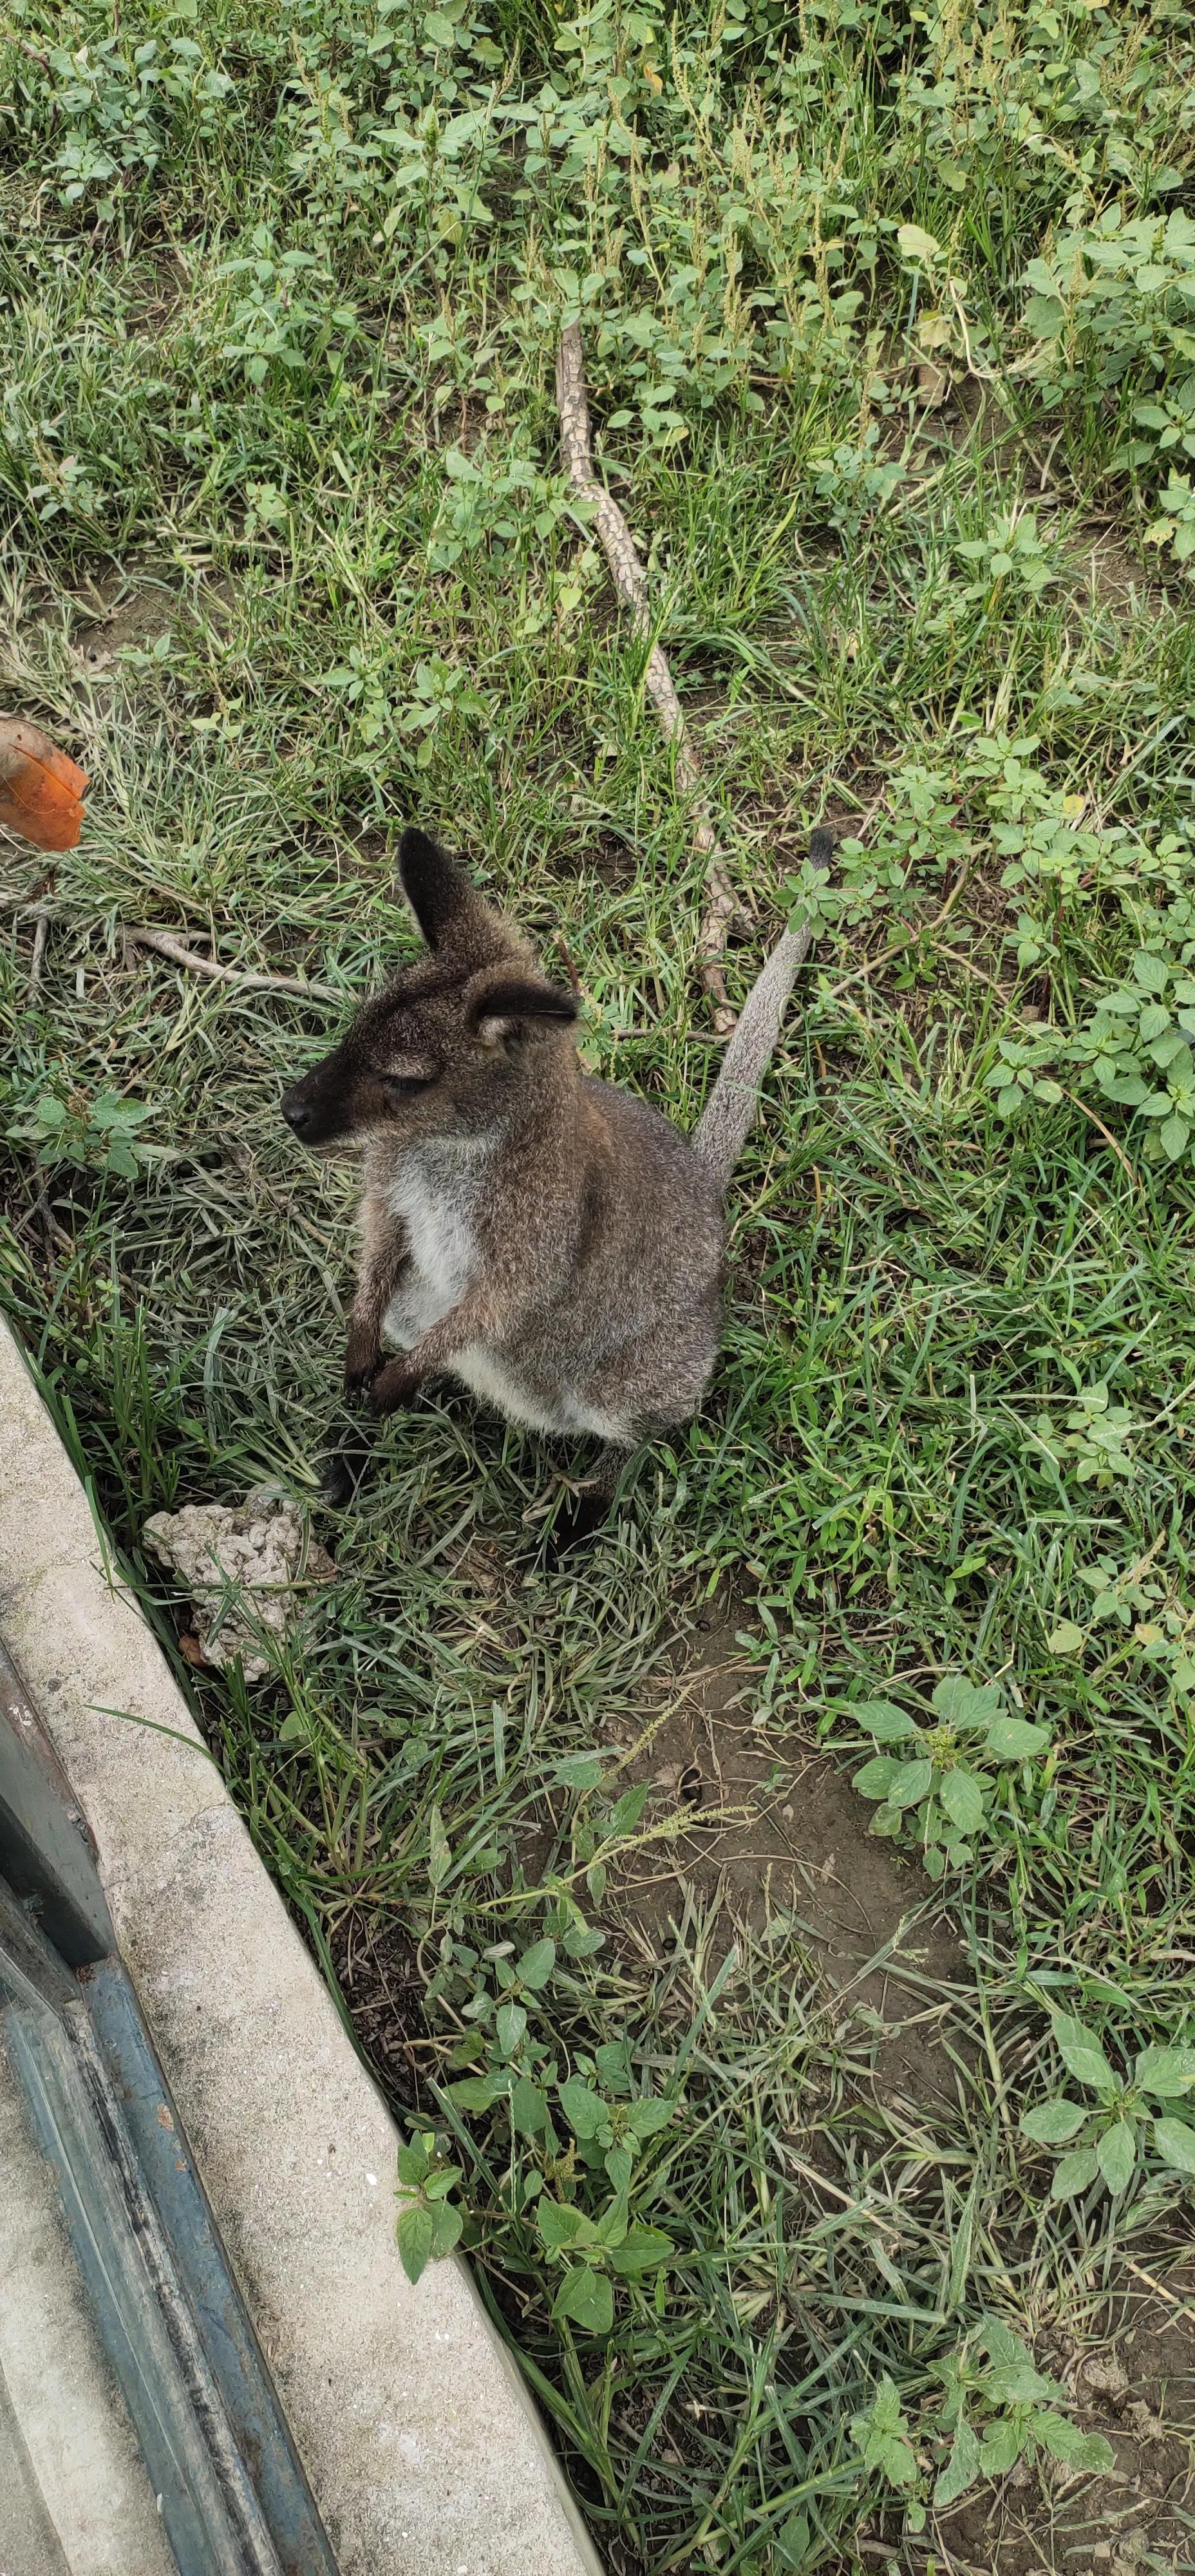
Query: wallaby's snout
317,1108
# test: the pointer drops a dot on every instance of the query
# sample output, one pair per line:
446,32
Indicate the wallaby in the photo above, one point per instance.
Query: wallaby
548,1239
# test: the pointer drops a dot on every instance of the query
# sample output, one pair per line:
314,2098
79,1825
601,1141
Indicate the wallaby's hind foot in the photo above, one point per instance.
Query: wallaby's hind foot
587,1507
578,1520
343,1471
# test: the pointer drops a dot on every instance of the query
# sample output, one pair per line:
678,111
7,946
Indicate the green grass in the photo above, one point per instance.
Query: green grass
280,301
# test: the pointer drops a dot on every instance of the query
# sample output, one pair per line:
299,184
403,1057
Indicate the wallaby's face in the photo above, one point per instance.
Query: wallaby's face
444,1048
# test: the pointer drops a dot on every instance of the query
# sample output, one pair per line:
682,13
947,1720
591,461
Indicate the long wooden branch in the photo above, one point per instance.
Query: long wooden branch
618,545
180,955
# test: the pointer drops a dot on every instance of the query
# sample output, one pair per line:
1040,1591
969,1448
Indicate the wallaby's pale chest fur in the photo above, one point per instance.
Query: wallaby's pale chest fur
433,1194
550,1241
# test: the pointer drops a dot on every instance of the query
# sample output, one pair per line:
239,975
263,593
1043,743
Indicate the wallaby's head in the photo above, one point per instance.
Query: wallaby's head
444,1050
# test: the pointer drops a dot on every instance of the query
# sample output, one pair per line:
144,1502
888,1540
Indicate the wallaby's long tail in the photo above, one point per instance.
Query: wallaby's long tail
729,1113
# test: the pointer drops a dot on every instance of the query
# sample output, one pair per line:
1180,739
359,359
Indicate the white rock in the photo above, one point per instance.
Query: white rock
243,1568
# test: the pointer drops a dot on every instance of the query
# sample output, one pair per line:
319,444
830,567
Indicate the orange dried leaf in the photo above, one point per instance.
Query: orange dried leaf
41,791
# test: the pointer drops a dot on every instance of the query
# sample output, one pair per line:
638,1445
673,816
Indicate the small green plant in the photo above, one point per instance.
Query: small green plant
1001,2407
1093,1446
97,1134
1111,306
1104,2143
438,690
938,1788
880,2433
1133,1050
288,314
1014,553
429,2223
590,2249
855,483
1161,1620
996,2407
1176,528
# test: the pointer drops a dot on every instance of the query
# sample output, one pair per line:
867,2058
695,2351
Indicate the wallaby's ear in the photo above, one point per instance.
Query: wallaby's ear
439,894
508,1002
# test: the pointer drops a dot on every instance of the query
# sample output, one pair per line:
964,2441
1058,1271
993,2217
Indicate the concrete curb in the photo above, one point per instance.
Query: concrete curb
423,2448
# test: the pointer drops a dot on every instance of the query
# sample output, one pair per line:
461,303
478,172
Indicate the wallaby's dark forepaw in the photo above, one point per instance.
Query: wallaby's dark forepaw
394,1386
359,1382
363,1361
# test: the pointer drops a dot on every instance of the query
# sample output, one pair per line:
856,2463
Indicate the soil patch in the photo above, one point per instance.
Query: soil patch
126,609
120,612
787,1835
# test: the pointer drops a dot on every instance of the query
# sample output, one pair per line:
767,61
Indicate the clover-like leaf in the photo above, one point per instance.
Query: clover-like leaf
560,2225
961,2469
1054,2122
536,1965
1064,2441
510,2026
1081,2054
1014,1739
913,243
1076,2173
1175,2143
647,2115
1116,2151
447,2225
528,2109
584,2109
643,2249
910,1782
887,1724
1165,2072
962,1798
586,2299
966,1704
1002,2445
416,2229
874,1779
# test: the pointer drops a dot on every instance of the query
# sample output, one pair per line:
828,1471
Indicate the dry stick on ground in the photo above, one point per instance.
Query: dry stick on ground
167,946
41,932
619,548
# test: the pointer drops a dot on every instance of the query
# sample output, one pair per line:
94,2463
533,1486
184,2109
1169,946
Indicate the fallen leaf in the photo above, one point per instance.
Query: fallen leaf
41,791
933,384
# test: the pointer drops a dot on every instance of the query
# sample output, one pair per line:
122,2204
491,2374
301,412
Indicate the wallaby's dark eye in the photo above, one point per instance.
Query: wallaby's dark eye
399,1086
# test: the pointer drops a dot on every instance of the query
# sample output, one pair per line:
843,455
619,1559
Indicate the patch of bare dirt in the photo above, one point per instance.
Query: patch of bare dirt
134,608
122,611
786,1834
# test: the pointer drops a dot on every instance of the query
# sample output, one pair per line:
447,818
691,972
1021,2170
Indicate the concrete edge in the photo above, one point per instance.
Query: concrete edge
423,2446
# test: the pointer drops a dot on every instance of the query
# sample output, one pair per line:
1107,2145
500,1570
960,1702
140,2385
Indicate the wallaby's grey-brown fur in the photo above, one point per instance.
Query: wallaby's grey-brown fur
547,1239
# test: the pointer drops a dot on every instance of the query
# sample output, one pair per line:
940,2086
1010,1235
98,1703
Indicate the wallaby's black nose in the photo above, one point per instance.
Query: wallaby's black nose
296,1113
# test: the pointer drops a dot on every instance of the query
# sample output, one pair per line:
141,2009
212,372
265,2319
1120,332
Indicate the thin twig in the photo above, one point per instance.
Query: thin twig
1106,1133
180,955
41,932
1161,2290
33,53
618,545
901,947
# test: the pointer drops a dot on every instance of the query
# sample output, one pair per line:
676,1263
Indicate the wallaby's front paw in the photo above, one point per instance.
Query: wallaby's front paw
362,1360
394,1386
